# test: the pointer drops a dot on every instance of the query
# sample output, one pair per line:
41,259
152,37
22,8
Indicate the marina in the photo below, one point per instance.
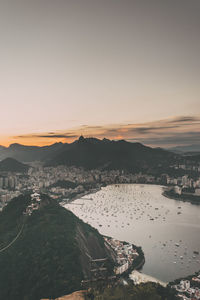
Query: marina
141,215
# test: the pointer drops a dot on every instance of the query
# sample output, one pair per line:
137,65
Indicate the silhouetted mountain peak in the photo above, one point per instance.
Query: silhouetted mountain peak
94,153
89,140
105,140
81,139
14,146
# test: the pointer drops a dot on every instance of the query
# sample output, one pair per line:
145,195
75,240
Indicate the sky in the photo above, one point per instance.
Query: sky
106,68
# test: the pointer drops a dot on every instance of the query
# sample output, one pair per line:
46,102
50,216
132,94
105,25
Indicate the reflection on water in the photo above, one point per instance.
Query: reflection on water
167,230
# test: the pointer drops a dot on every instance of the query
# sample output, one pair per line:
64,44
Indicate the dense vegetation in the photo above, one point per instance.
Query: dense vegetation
147,291
45,260
66,184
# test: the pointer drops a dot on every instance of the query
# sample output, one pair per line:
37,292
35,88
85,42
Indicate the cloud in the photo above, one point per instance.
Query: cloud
147,130
176,139
185,119
65,136
49,135
181,130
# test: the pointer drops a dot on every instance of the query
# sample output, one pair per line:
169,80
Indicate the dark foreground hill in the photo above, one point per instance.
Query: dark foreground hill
12,165
119,291
93,153
50,253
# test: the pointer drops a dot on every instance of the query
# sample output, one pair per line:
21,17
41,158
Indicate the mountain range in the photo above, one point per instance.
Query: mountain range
30,153
94,153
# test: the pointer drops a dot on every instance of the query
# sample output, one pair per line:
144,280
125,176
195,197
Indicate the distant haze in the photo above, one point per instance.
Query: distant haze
117,69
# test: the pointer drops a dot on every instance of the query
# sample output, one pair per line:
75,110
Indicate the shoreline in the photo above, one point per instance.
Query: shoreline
142,278
180,198
165,194
141,263
81,195
137,263
95,190
141,256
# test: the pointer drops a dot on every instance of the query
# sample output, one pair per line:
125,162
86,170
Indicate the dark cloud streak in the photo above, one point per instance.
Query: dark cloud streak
182,130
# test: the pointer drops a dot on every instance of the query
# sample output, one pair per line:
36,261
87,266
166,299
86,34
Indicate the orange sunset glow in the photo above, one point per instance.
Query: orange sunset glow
99,68
164,133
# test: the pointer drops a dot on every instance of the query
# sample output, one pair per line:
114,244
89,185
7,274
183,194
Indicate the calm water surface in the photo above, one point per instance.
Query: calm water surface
141,215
